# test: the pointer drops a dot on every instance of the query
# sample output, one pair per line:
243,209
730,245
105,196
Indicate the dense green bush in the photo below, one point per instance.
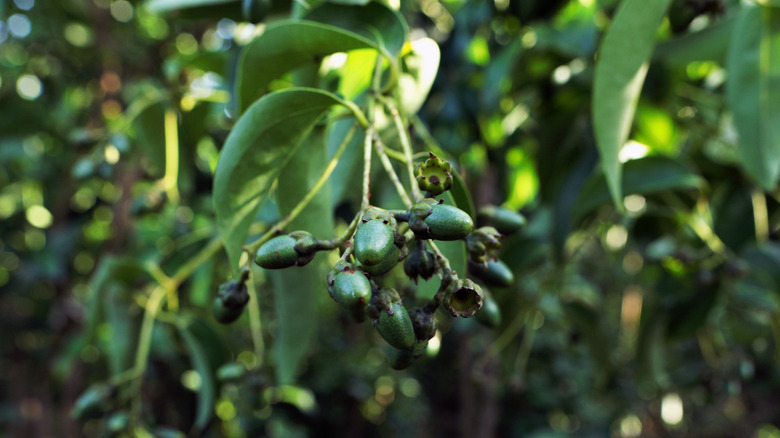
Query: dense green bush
599,178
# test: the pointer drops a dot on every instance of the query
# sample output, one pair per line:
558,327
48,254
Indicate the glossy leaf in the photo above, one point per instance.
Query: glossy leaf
418,70
620,72
284,46
261,142
297,289
708,44
374,21
643,176
169,5
207,390
753,92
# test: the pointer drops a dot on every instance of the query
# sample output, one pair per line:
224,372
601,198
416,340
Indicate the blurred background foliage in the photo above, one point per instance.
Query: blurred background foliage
660,320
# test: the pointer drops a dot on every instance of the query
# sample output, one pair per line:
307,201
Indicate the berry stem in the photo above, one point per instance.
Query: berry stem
255,320
406,144
380,149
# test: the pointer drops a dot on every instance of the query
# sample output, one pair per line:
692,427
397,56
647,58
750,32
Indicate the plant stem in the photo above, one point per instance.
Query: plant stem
255,321
252,247
760,215
406,145
366,169
187,269
380,149
153,306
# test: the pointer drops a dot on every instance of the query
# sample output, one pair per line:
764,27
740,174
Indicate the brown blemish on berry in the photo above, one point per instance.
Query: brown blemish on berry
361,301
435,180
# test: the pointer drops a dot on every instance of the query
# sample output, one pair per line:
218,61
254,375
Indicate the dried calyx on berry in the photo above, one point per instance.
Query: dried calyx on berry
434,176
420,263
483,244
295,249
230,301
463,297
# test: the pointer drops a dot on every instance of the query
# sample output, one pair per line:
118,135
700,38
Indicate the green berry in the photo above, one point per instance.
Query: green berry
374,239
434,176
505,221
277,253
489,315
430,219
402,359
231,299
395,326
294,249
493,272
463,298
351,289
224,314
385,265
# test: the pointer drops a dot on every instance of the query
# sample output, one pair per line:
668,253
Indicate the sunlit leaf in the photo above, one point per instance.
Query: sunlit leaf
708,44
620,72
753,92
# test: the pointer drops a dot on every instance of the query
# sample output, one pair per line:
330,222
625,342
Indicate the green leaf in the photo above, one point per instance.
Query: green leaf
461,196
620,72
284,46
374,21
289,44
207,390
753,92
708,44
346,180
169,5
647,175
260,143
418,70
296,290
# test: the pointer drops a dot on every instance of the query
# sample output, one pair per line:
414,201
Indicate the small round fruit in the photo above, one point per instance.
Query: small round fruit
495,273
352,290
224,314
449,223
489,315
373,240
277,253
402,359
385,265
504,220
395,326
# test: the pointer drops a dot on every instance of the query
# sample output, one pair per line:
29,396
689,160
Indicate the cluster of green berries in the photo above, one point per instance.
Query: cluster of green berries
380,241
